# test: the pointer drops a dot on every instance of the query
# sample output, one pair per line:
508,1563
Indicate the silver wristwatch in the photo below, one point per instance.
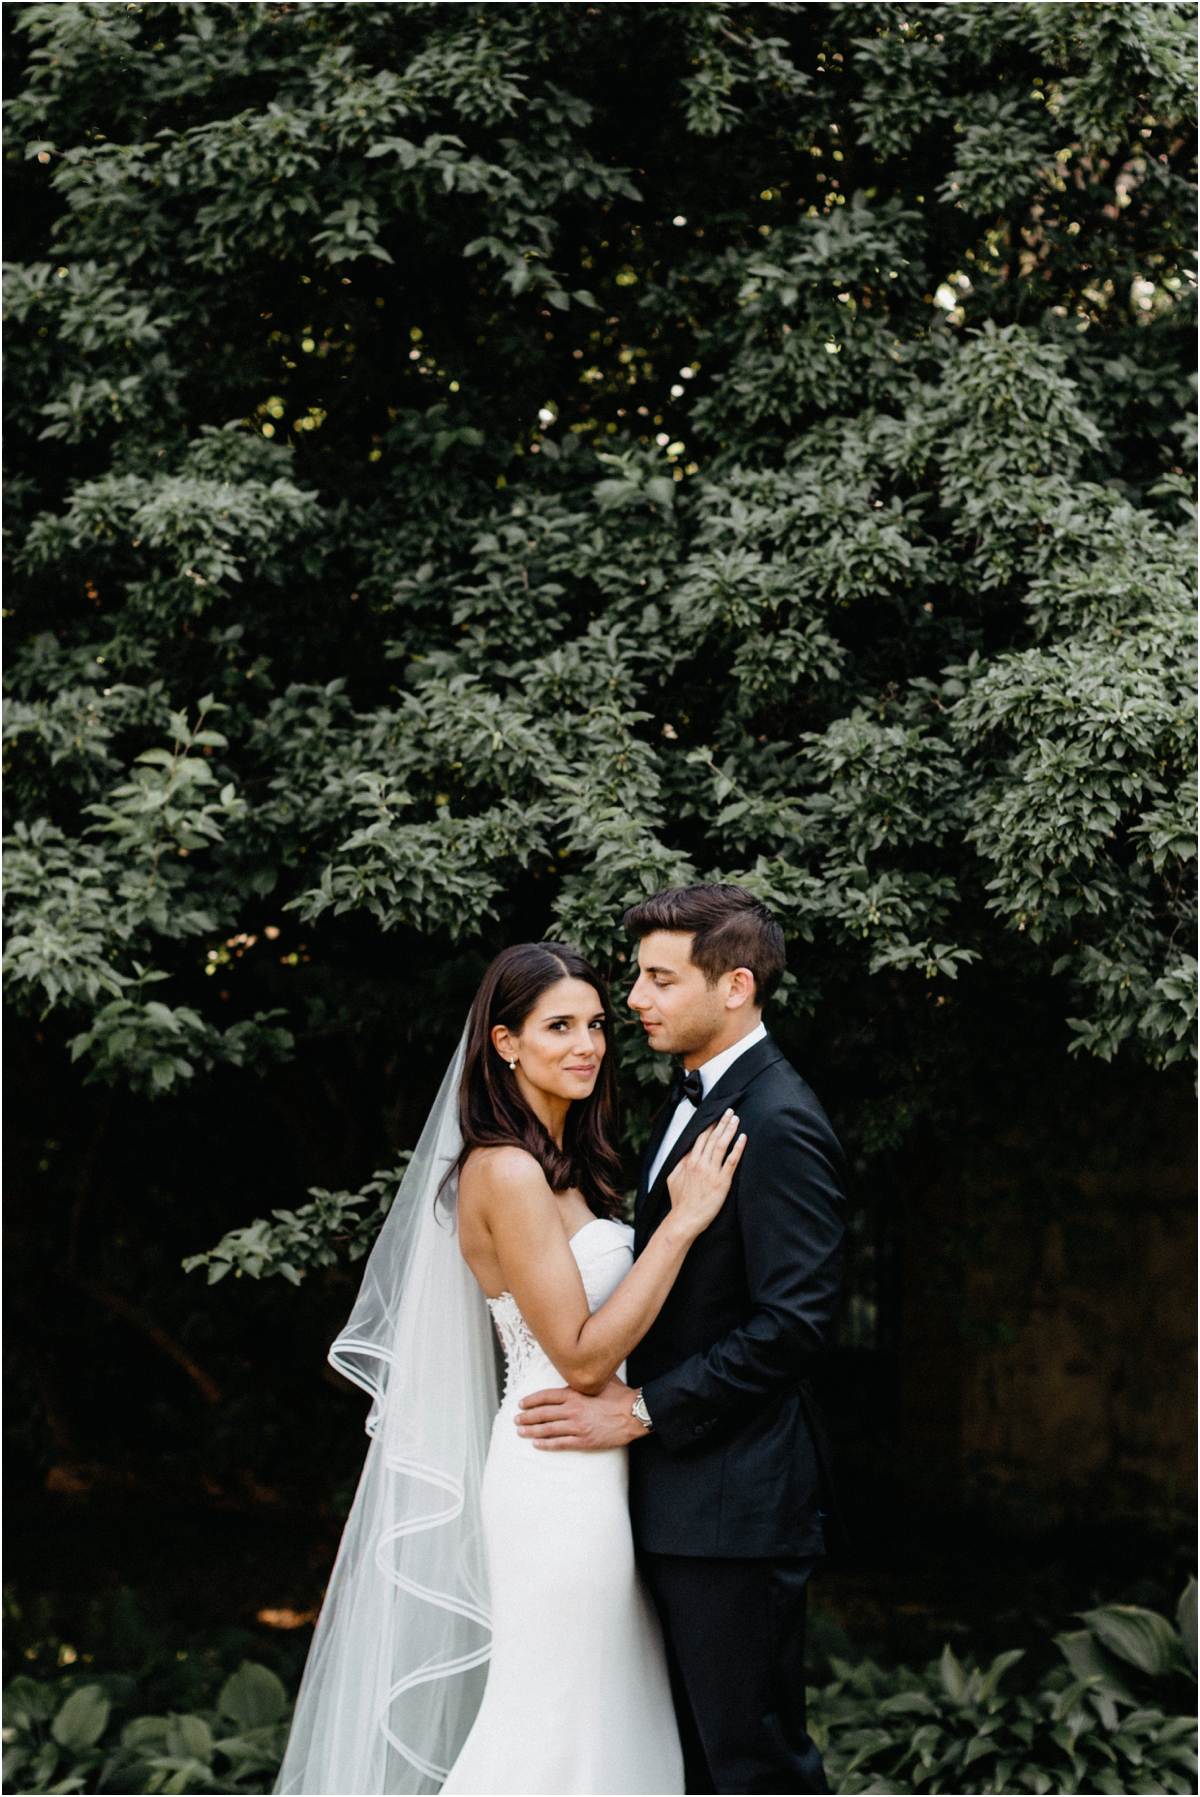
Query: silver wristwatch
642,1414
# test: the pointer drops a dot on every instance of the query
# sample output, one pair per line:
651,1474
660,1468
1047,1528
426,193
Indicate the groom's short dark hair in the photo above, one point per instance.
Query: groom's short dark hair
729,926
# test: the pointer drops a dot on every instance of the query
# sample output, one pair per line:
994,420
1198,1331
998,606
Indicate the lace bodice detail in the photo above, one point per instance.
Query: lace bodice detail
520,1347
603,1251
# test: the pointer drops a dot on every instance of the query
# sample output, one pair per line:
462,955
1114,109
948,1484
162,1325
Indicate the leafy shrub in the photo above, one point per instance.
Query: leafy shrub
59,1738
1085,1726
1081,1728
891,619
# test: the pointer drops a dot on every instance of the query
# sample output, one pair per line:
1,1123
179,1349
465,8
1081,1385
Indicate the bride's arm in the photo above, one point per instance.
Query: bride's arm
541,1273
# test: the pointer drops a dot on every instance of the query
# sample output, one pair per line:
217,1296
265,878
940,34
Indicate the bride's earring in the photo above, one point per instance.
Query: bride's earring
513,1065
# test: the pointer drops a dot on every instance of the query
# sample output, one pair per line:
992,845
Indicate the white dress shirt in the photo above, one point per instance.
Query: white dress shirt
685,1110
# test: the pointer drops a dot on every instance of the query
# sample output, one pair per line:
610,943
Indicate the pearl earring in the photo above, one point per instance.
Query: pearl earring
513,1065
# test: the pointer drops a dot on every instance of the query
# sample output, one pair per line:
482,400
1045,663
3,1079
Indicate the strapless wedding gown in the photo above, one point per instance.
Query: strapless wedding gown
577,1696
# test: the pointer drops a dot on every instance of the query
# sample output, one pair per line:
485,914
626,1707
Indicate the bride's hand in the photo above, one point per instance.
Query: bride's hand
699,1184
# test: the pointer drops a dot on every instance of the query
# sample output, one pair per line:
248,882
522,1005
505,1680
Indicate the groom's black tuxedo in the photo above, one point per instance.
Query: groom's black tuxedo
727,1493
736,1463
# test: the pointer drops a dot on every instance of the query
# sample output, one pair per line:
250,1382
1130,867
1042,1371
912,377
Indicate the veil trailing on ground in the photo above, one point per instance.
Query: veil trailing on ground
398,1662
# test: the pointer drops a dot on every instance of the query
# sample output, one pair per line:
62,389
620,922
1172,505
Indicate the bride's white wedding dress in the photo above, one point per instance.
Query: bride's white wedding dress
577,1696
484,1630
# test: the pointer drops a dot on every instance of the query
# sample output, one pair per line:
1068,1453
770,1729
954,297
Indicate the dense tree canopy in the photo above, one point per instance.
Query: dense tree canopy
473,465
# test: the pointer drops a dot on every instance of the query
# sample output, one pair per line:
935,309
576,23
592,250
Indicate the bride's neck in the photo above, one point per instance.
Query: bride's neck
549,1109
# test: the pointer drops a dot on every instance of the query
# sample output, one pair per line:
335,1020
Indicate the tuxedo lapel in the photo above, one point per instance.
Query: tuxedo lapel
657,1132
657,1199
727,1092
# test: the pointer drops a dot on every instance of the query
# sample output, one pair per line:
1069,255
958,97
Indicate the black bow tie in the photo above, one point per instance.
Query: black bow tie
689,1086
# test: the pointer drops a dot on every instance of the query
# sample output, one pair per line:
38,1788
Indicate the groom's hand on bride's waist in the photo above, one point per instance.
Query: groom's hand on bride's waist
567,1419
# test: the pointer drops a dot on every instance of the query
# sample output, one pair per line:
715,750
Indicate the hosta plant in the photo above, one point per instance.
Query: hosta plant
958,1727
60,1739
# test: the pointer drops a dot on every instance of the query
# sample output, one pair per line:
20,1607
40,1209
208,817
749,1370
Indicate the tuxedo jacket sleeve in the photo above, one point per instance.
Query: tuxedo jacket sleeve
788,1202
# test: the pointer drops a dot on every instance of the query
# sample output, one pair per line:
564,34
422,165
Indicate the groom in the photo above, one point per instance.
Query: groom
729,1477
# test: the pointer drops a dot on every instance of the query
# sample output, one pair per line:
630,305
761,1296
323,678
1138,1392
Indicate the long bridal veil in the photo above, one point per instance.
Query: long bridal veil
398,1662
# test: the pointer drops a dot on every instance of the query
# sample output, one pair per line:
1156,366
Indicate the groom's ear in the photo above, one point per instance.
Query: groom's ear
743,989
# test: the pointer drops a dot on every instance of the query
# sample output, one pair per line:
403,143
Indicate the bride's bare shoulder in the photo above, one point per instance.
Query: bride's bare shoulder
504,1172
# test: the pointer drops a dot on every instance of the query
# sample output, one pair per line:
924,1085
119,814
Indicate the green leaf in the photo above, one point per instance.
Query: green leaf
26,1701
904,1703
82,1719
189,1737
1087,1659
953,1676
253,1696
990,1681
1185,1621
977,1747
1141,1637
146,1734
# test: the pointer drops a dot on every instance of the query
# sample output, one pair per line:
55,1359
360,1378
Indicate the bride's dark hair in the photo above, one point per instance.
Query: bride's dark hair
491,1110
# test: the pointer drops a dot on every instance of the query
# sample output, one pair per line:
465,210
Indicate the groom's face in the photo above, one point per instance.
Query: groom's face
679,1011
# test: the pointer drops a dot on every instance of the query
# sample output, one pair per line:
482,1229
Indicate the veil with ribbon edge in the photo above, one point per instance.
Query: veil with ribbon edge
396,1669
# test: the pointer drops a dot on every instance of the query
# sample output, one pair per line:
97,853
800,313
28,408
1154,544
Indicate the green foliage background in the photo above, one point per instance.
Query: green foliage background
1105,1720
472,466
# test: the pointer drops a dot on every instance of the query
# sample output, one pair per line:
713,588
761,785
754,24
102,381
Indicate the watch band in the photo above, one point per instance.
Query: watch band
642,1414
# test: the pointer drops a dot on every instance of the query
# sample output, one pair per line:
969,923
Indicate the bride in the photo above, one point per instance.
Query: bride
485,1630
